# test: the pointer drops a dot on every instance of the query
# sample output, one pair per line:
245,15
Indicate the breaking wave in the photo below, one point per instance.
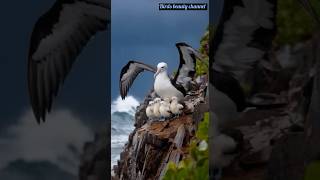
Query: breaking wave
122,124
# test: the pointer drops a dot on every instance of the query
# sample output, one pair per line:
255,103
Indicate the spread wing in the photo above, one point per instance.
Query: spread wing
57,39
187,66
244,35
129,73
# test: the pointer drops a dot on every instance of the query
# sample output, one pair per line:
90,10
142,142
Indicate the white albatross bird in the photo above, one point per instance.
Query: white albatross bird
149,110
175,107
167,101
156,107
164,86
164,110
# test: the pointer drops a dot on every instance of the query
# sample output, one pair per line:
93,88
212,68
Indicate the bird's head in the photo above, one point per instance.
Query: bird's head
156,100
151,102
174,98
161,67
167,100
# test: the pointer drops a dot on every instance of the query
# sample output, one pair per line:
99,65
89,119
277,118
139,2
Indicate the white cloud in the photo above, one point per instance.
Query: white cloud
49,141
128,105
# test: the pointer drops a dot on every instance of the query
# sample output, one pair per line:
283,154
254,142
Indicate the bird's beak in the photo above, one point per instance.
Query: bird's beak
155,75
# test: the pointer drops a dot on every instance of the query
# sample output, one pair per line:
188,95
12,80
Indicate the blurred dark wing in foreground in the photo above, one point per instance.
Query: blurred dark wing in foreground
57,39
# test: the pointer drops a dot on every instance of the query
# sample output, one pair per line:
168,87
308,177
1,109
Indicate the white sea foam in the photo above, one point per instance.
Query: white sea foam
122,124
127,105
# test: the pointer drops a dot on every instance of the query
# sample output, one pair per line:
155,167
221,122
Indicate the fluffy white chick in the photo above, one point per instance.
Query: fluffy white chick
164,109
156,107
149,110
175,107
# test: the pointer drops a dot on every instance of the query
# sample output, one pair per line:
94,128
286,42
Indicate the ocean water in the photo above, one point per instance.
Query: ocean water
122,124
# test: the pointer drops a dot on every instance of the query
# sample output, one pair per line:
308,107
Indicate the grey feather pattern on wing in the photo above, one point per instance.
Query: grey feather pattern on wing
129,73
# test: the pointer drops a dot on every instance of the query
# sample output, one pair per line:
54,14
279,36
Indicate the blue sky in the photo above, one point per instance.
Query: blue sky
141,32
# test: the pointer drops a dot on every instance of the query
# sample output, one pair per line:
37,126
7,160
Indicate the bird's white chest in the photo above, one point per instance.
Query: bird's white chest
164,110
156,110
149,111
175,107
164,88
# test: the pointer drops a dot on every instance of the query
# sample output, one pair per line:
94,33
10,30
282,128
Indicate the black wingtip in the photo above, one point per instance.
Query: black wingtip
39,119
182,44
38,114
